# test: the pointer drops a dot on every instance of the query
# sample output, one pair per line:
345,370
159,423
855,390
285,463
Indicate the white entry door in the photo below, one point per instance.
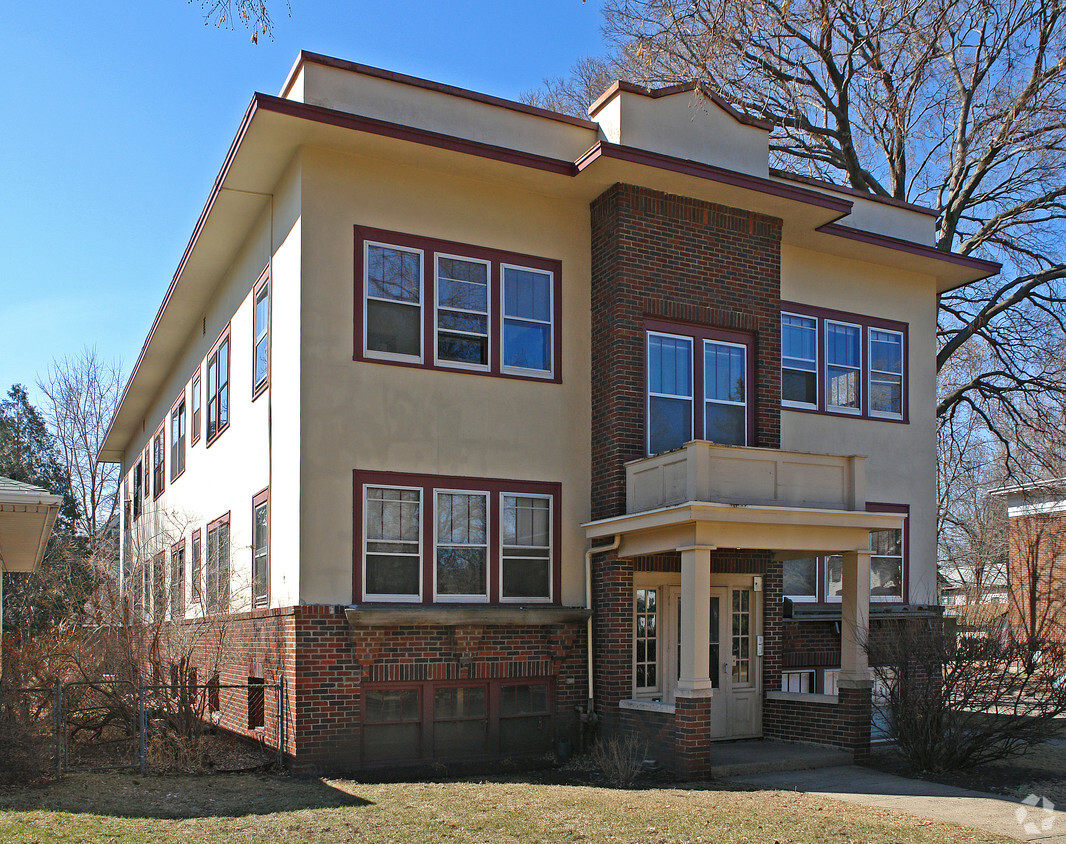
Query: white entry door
734,665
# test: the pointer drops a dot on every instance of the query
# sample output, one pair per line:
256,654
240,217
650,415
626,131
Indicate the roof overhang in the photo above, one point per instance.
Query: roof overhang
790,532
274,129
26,518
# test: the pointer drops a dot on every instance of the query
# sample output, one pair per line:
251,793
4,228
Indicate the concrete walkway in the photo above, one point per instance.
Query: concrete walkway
918,797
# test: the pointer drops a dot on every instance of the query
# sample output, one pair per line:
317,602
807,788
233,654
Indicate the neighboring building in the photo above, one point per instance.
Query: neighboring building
27,514
426,345
1036,565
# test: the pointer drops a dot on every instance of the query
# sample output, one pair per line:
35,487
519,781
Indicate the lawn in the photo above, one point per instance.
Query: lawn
271,809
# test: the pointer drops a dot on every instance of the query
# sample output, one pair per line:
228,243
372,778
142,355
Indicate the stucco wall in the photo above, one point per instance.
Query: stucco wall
377,416
223,477
902,457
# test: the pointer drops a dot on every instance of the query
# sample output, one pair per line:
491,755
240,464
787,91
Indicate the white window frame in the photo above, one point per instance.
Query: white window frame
881,414
835,408
830,678
744,404
551,549
395,356
648,394
466,598
658,689
817,376
552,328
892,599
390,598
261,335
452,364
808,672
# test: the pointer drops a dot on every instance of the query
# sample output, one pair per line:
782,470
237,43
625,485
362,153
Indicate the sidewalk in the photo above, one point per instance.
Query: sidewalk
917,797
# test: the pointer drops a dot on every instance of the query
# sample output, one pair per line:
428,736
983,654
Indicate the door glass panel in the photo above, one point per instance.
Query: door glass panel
741,636
714,643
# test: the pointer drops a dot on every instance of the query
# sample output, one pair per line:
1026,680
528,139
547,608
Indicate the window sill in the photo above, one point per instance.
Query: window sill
388,615
260,388
647,705
214,438
803,697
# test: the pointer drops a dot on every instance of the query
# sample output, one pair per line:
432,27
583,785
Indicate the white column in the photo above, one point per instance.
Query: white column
855,619
695,680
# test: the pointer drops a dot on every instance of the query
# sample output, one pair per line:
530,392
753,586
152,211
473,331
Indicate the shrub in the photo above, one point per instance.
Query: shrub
620,759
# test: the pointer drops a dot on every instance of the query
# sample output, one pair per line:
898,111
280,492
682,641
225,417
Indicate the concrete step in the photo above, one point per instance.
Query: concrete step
760,756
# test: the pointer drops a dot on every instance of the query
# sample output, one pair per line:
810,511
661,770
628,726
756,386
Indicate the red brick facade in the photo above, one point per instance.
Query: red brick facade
325,665
1036,578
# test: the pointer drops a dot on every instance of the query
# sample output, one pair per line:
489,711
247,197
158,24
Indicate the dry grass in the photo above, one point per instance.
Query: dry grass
124,808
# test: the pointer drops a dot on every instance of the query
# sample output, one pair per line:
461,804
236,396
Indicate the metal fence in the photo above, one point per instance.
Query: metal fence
111,724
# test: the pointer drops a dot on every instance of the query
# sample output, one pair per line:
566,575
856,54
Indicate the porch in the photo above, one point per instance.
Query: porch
725,518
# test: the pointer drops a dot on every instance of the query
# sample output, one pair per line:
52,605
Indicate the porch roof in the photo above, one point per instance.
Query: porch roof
790,532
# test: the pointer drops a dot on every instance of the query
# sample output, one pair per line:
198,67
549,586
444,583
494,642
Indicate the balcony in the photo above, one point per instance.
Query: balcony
703,471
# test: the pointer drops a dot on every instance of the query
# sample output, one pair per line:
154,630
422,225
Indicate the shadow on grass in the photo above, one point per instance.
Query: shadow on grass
124,795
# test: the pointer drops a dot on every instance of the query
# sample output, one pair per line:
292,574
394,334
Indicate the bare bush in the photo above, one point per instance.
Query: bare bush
620,758
954,703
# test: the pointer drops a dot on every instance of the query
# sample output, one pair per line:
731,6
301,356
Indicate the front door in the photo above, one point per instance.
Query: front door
734,665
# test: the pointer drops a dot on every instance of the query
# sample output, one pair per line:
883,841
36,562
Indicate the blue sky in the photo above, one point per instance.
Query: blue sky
117,118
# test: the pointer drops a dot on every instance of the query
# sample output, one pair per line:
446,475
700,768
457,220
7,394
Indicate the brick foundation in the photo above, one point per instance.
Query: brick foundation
324,665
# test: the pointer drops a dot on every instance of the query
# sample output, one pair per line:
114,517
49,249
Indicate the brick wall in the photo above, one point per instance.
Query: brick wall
324,665
1037,578
656,255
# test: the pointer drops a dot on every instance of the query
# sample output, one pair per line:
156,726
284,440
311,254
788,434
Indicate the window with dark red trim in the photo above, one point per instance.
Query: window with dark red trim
159,453
177,580
196,407
256,702
218,388
147,463
261,549
177,439
261,334
138,481
444,305
429,538
699,385
818,579
843,363
196,573
218,565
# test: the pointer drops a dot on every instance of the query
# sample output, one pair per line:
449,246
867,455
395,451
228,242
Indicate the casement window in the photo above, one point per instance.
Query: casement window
646,639
256,703
697,386
261,336
842,363
428,538
449,720
820,579
196,573
159,453
218,565
177,439
196,408
218,388
445,305
261,550
138,481
177,580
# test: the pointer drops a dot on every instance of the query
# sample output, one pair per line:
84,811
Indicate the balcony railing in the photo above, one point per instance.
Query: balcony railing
703,471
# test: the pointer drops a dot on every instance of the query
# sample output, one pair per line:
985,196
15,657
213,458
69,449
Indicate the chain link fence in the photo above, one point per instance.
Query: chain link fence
110,724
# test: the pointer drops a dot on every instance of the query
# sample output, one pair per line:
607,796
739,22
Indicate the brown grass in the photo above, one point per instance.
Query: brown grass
266,809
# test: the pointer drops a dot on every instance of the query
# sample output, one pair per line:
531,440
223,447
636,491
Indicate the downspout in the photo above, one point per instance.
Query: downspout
588,605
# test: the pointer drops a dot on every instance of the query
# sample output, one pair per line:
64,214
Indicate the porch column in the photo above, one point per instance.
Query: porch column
855,619
695,679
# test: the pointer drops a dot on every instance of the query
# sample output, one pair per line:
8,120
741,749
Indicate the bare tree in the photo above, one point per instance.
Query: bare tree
81,395
955,104
253,15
